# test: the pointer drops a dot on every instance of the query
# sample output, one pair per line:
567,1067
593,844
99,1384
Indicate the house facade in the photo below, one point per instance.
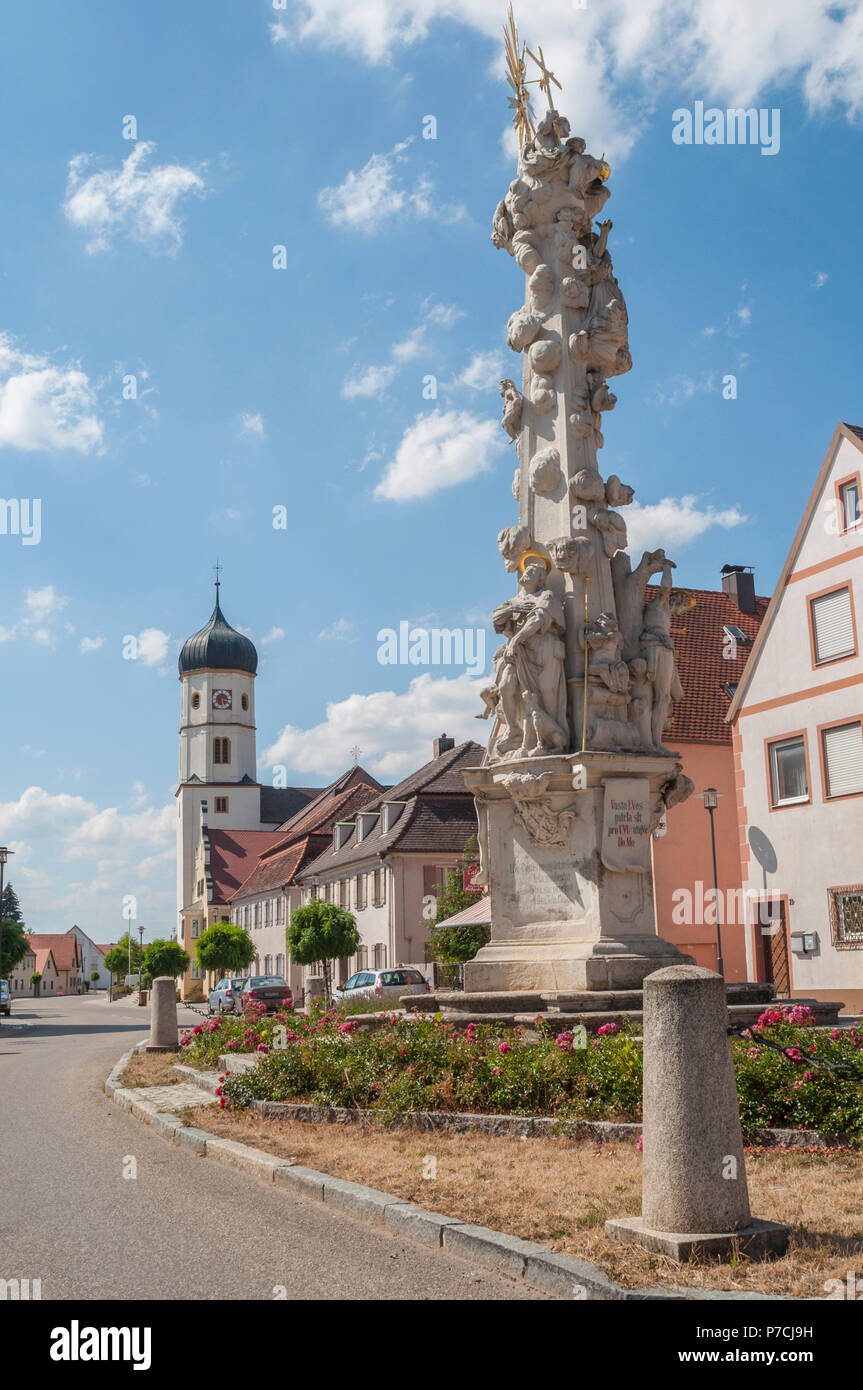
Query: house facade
714,634
92,958
58,959
797,728
386,862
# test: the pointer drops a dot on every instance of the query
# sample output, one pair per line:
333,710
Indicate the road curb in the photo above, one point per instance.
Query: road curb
559,1276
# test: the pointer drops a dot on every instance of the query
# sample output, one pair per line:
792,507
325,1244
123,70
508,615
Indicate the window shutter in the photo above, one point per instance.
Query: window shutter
833,625
843,759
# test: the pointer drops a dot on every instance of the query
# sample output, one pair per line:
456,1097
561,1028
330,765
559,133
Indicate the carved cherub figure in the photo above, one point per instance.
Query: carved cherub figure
513,404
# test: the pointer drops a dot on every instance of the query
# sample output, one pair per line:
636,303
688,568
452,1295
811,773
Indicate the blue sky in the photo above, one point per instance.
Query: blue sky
302,387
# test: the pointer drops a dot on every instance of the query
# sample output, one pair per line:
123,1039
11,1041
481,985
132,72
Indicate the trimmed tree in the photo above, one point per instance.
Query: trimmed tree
165,958
225,946
322,932
117,961
36,980
453,946
94,977
14,945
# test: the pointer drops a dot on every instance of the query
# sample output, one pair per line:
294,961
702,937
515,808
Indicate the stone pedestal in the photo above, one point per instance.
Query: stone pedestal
565,847
695,1198
164,1034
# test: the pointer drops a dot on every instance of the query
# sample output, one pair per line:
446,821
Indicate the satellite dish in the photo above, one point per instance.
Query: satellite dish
763,850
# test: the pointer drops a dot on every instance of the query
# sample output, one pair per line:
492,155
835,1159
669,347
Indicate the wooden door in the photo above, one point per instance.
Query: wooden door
773,945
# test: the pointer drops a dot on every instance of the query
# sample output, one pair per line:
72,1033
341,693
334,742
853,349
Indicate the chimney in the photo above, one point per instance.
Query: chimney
443,745
738,582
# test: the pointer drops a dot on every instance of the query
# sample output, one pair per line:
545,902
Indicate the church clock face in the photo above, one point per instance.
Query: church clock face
221,699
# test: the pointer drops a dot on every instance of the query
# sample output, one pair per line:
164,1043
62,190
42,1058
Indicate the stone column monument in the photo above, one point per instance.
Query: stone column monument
577,775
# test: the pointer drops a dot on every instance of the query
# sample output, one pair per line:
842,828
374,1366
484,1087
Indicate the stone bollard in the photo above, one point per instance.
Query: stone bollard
695,1199
164,1036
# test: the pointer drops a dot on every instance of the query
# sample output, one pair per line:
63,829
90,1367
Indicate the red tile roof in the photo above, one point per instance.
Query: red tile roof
233,854
64,948
699,643
274,869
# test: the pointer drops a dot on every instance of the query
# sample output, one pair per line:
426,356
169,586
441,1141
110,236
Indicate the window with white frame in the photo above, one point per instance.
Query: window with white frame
832,626
843,759
280,965
850,495
789,777
380,957
268,965
362,957
196,928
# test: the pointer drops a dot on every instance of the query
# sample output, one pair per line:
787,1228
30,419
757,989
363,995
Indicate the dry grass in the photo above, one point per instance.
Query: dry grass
560,1192
151,1069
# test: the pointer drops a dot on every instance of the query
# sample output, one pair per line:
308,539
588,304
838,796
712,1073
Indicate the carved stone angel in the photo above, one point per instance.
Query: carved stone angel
529,692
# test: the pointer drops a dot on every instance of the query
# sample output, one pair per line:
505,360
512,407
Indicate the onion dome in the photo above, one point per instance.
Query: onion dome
218,647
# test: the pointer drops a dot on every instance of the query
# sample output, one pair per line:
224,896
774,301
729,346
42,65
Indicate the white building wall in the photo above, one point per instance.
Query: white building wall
818,845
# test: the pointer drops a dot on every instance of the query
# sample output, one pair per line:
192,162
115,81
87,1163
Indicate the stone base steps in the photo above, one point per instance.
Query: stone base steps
594,1008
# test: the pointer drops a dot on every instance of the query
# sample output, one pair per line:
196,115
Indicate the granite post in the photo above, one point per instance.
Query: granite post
695,1199
164,1035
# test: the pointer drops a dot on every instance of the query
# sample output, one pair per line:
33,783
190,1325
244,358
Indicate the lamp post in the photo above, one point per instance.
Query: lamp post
141,965
4,855
711,797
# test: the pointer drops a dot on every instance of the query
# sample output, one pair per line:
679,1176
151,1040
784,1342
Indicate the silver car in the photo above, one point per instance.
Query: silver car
381,984
5,998
224,997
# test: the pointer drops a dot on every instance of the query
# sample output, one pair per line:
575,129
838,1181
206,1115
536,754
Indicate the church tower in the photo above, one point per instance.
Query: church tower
218,779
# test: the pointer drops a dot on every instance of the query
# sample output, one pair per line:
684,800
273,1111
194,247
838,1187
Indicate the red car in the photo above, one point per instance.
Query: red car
270,990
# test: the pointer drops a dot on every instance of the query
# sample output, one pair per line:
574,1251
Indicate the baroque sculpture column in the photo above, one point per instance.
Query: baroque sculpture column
576,775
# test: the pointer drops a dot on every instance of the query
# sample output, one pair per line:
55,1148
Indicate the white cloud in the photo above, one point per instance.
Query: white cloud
275,634
117,853
683,387
43,406
152,646
252,425
744,313
431,316
368,381
675,521
821,278
43,603
339,631
132,201
90,644
484,371
439,450
368,199
38,813
623,60
394,731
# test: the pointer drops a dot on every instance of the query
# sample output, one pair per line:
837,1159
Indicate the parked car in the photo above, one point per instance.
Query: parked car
5,997
224,998
270,990
381,984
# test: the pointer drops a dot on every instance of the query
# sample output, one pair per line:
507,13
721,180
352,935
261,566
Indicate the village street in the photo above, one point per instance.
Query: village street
184,1228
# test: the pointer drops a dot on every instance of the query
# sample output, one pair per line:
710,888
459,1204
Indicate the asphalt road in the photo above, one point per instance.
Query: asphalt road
184,1228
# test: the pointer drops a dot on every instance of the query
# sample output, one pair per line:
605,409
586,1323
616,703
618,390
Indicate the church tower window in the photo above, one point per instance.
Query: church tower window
196,701
221,750
245,702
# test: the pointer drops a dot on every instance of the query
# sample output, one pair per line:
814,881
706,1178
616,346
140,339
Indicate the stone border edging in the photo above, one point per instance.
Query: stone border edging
560,1276
500,1126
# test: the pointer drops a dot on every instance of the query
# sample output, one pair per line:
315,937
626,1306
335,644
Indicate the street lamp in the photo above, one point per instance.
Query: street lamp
140,965
710,797
4,855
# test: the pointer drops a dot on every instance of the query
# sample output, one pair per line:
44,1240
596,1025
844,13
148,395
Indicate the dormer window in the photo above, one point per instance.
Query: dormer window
342,831
390,812
737,635
366,822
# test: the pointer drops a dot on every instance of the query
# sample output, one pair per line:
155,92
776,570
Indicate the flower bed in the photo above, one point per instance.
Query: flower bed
427,1065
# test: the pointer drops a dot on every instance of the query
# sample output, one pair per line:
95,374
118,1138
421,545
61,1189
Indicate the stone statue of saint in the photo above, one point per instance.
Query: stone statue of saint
529,693
657,648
